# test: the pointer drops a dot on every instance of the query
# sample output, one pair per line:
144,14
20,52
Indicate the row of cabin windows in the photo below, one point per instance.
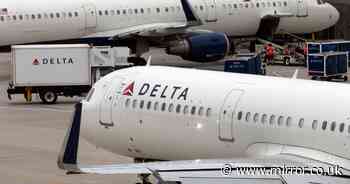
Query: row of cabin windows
39,16
164,107
257,5
136,11
288,121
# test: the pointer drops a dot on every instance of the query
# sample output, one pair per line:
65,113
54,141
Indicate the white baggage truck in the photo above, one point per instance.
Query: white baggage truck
58,70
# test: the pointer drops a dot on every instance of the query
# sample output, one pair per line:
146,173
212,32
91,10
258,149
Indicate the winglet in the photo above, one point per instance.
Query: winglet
149,60
295,75
67,159
191,17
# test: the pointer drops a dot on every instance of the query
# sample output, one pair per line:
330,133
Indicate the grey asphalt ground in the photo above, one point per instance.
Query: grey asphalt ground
31,133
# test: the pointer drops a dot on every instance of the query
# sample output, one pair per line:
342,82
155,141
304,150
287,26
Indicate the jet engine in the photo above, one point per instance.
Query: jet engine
204,47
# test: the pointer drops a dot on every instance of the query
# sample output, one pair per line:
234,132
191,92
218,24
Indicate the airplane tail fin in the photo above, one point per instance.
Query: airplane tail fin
67,159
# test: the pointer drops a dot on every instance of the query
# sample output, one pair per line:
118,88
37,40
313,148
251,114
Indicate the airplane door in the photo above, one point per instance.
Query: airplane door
111,97
302,8
90,16
211,11
226,117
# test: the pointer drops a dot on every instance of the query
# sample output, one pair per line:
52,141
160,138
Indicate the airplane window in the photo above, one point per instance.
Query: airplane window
155,107
201,7
2,18
134,103
285,3
14,17
264,118
51,15
124,12
247,5
118,12
201,111
136,11
314,124
142,104
112,12
301,123
256,117
193,110
149,104
158,10
333,126
163,106
274,4
171,107
167,9
127,103
272,119
141,10
178,108
235,6
76,14
58,15
239,116
324,125
186,109
341,127
33,16
208,112
100,13
106,12
39,16
70,14
280,120
247,117
257,5
289,121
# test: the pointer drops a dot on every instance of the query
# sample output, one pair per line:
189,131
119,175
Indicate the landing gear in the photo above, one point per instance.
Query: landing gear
137,61
144,178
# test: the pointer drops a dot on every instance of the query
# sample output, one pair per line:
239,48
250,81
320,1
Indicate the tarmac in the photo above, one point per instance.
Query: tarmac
31,134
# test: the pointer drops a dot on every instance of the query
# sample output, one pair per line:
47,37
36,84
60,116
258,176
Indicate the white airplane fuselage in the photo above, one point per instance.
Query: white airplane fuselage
41,20
166,113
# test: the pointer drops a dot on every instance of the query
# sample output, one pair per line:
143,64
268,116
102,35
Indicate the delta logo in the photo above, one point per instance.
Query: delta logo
158,90
36,62
53,61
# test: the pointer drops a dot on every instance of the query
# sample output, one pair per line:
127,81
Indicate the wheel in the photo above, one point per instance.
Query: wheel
137,61
48,97
313,78
286,61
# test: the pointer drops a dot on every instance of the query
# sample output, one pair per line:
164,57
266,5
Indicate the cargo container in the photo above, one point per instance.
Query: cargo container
249,63
328,66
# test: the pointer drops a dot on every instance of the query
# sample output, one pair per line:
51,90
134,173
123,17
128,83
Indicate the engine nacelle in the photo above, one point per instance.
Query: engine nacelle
204,47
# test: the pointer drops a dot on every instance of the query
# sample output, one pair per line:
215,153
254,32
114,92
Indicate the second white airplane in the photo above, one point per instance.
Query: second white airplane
198,30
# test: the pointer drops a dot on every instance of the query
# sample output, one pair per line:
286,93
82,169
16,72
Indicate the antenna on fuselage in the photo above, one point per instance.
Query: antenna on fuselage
149,61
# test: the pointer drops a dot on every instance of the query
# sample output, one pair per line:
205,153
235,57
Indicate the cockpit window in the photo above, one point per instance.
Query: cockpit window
320,2
91,92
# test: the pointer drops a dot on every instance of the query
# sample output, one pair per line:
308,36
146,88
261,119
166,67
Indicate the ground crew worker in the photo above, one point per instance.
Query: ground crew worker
270,53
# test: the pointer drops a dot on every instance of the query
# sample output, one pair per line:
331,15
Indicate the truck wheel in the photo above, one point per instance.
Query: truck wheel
48,97
286,61
345,78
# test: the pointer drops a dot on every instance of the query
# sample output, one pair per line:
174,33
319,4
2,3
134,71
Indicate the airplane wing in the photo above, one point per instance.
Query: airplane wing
156,29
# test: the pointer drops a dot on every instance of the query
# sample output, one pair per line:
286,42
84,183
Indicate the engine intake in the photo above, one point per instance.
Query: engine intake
205,47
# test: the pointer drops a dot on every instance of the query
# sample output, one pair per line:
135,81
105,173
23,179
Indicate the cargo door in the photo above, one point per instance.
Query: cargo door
227,118
302,8
90,16
110,99
211,10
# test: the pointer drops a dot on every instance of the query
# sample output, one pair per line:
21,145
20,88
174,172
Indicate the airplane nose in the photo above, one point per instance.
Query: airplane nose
334,15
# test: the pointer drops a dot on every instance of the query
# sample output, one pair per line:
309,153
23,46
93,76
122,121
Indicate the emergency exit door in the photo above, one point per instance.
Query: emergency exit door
302,8
227,115
211,10
110,98
90,16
